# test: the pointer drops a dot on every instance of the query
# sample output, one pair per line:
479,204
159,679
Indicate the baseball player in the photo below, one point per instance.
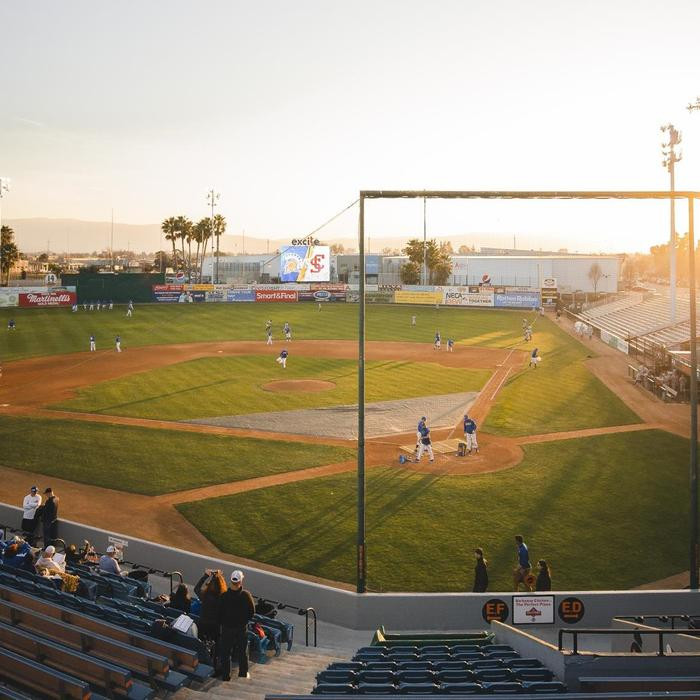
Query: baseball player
93,346
269,336
118,343
74,308
319,305
11,325
268,324
438,342
470,434
111,304
413,320
425,445
99,303
92,306
419,429
450,345
282,359
527,333
287,331
130,309
534,358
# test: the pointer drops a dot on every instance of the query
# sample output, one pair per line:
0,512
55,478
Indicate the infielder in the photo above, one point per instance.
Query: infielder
534,358
269,336
282,359
287,331
438,342
413,320
93,345
425,445
450,344
470,434
118,343
268,324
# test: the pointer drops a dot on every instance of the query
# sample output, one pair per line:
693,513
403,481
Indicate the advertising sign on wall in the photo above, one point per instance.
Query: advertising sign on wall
410,297
614,342
9,297
533,609
59,297
465,296
305,263
517,300
276,295
240,295
167,293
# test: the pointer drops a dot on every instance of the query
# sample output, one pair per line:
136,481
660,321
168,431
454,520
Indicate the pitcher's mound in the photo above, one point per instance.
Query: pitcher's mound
299,385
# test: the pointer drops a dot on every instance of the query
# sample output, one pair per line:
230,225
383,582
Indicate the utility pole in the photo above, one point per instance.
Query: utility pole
212,200
424,275
4,187
669,161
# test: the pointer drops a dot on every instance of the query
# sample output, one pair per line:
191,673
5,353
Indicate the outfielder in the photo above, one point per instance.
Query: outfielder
438,342
470,434
534,358
269,336
93,345
282,359
130,308
413,320
118,343
287,331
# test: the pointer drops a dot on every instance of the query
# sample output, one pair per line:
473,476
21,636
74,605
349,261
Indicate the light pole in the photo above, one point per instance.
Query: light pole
4,187
669,161
212,200
424,271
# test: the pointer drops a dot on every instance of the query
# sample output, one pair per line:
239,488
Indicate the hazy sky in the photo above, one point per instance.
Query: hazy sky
289,108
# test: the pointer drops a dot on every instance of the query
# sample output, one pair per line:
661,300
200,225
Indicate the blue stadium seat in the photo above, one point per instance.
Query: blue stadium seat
461,689
345,666
376,688
384,677
416,676
415,666
337,676
403,657
455,676
468,656
523,663
493,675
503,688
452,665
503,655
418,689
466,648
366,658
334,689
497,647
533,674
377,651
435,649
545,687
381,666
479,664
435,656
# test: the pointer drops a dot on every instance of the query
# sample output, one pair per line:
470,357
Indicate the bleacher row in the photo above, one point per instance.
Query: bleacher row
472,666
648,318
113,643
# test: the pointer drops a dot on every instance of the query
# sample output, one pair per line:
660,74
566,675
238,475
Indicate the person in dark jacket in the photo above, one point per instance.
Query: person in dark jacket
237,609
544,577
180,599
49,517
481,574
209,590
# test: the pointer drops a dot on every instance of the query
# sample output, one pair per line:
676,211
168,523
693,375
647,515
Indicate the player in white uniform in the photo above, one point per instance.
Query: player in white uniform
118,343
130,308
287,331
438,341
93,345
413,320
282,359
269,336
470,434
425,445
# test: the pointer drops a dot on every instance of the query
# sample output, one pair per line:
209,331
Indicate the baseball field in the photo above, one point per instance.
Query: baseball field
194,436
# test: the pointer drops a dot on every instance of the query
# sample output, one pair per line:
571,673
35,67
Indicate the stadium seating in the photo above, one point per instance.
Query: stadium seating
413,669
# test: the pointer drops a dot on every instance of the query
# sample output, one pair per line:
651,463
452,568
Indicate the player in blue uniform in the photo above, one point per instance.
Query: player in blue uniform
470,434
419,429
450,344
282,359
534,358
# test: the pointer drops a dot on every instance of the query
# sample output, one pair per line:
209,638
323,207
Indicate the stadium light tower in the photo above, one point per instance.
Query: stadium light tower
213,200
4,187
669,161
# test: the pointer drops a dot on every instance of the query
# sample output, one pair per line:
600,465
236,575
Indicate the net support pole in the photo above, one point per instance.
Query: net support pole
361,551
693,401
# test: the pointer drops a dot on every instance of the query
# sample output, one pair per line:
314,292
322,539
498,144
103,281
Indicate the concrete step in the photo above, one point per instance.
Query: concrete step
292,672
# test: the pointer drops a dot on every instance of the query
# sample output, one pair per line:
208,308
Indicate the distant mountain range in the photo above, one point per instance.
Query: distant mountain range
77,236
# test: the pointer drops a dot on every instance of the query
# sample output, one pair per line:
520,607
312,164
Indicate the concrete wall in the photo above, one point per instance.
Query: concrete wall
677,642
529,646
397,611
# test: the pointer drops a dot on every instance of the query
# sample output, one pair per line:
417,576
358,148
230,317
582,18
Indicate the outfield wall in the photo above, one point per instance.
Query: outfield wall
397,611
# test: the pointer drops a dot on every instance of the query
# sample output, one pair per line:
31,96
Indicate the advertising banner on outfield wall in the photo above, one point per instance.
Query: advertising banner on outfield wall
167,293
405,297
467,296
57,297
240,295
9,297
517,300
614,342
284,295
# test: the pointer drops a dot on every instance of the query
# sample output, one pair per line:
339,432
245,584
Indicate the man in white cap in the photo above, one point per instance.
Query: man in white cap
109,563
31,502
236,610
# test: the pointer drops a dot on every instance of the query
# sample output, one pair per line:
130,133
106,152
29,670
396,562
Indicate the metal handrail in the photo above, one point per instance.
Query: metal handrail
170,574
301,611
605,632
640,619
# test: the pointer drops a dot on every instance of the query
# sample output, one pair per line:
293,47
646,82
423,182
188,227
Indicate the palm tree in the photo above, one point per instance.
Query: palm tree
218,229
183,227
200,235
169,228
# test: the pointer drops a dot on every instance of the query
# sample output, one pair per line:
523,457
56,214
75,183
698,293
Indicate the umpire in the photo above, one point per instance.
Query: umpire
237,609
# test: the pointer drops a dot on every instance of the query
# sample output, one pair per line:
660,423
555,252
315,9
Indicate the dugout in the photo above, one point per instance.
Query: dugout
114,286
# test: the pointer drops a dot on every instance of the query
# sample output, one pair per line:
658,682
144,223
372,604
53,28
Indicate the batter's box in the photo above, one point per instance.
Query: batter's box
443,447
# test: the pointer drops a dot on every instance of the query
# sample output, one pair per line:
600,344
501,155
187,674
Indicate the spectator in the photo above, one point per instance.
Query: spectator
49,517
209,589
46,561
544,577
237,609
521,573
481,574
31,502
108,562
181,600
19,555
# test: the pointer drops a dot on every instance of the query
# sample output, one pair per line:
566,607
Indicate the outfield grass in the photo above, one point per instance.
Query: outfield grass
219,386
561,394
149,461
58,331
602,518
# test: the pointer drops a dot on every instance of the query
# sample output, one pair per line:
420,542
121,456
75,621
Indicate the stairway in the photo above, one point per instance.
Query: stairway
292,672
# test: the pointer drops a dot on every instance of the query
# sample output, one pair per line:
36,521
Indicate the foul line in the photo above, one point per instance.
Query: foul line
505,376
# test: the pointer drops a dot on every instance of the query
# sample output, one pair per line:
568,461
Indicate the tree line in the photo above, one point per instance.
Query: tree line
9,253
183,230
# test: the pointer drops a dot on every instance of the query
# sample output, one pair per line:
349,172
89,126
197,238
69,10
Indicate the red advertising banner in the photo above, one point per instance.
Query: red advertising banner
276,295
168,287
59,298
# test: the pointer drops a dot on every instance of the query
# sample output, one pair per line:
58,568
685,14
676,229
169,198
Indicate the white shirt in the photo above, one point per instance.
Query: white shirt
50,564
29,505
